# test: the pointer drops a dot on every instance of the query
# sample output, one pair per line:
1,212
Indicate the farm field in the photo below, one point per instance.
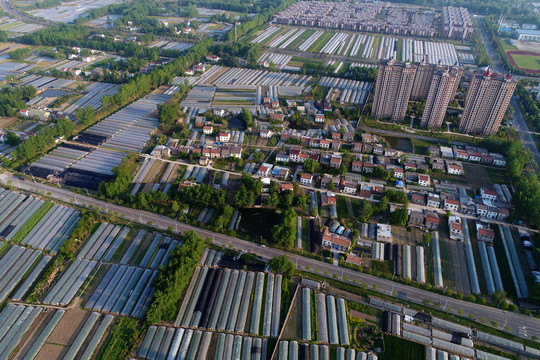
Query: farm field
369,47
397,348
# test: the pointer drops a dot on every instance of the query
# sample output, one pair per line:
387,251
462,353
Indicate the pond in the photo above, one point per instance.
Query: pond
258,222
236,123
399,143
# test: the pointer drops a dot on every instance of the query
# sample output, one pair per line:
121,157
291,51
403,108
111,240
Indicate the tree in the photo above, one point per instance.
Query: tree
168,114
331,185
284,234
366,211
258,156
244,198
282,265
272,200
85,115
399,217
381,173
247,118
302,201
12,138
311,166
286,199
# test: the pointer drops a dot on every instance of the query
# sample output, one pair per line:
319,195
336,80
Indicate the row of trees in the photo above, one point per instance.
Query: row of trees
82,36
42,141
85,115
173,277
526,197
20,53
528,107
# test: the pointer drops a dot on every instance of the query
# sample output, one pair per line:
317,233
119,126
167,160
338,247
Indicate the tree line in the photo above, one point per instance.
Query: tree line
173,277
42,141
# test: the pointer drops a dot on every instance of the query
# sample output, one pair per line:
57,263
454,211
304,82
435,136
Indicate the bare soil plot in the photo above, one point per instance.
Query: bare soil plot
527,45
68,328
155,170
5,121
50,351
453,261
4,46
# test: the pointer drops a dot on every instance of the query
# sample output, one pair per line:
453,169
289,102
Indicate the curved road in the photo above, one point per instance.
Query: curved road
6,7
520,325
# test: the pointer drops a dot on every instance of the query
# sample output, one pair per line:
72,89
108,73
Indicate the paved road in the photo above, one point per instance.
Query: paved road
6,6
496,65
522,129
520,325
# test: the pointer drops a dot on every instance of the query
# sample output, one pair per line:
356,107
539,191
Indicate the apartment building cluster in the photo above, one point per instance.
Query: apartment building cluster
486,101
457,23
360,16
398,82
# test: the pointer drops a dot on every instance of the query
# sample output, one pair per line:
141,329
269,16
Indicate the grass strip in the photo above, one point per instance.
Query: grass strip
34,219
321,41
122,339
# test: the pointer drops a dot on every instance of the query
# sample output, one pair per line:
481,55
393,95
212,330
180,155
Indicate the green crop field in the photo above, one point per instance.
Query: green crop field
321,41
397,348
273,36
300,40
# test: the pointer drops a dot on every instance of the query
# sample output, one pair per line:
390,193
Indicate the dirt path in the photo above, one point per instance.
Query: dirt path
459,268
349,208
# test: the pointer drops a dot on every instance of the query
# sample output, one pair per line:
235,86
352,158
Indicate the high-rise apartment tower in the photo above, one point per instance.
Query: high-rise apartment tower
486,102
442,90
392,89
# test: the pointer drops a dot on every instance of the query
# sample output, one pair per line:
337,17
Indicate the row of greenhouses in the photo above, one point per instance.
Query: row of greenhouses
332,322
232,300
95,91
33,222
33,326
161,342
70,282
211,257
14,264
242,76
516,271
155,255
104,242
124,290
292,350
